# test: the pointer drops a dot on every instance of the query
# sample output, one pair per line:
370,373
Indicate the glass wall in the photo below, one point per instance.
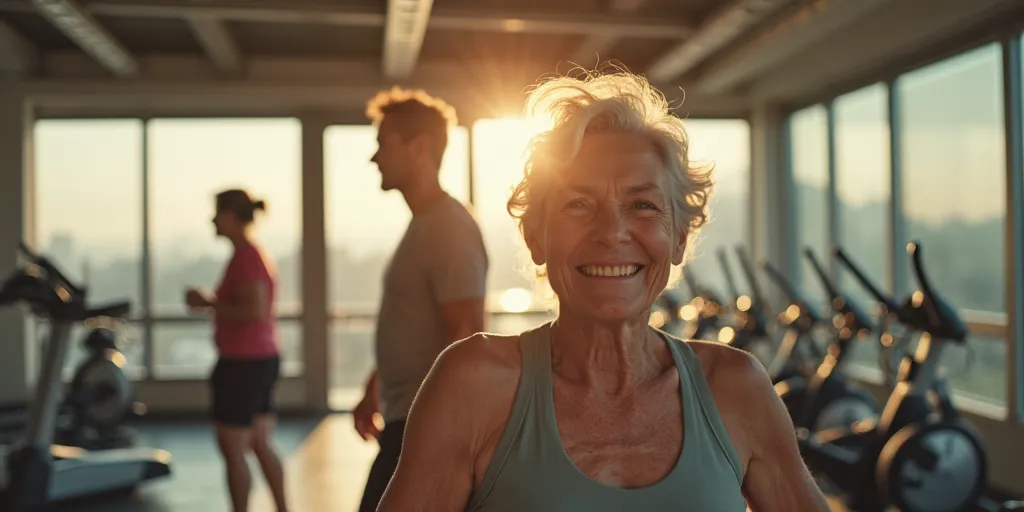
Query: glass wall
809,171
364,224
951,173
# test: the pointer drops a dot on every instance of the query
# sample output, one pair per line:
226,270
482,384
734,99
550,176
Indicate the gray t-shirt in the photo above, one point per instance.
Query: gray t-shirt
441,258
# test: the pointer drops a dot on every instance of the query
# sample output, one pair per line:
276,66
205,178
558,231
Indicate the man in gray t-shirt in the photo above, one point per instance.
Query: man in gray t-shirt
435,283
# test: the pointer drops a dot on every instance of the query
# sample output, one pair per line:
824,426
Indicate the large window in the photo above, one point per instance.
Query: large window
953,182
499,147
725,145
190,160
809,170
88,186
863,196
499,150
364,225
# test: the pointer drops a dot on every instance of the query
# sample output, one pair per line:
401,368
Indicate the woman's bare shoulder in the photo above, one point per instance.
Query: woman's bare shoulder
722,363
490,352
484,361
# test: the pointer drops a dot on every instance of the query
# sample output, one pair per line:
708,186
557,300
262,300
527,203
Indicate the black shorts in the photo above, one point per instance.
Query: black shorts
243,388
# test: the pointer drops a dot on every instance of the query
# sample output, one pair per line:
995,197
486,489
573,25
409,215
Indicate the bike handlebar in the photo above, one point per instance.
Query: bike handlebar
748,269
782,283
887,300
723,259
830,287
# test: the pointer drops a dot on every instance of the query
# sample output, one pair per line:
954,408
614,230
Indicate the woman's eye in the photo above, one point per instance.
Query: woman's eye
645,205
577,203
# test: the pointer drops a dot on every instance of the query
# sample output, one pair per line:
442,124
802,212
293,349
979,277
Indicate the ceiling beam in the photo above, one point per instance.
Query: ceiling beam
18,57
403,36
721,29
80,27
602,43
305,11
796,32
217,42
218,98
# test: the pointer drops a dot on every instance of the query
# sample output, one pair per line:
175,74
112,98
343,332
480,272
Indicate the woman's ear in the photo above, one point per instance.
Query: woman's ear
679,248
535,246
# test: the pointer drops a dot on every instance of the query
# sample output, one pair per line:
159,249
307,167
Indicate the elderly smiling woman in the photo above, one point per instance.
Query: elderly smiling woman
596,410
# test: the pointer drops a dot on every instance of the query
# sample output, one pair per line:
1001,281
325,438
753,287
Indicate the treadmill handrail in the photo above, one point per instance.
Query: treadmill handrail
119,310
51,269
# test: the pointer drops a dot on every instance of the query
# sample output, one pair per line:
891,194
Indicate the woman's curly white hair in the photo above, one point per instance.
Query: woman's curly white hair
618,102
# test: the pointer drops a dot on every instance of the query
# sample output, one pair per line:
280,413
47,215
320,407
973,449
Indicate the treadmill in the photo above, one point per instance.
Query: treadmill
36,473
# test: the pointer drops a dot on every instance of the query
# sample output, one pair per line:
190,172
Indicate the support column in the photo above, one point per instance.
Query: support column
16,357
770,222
315,318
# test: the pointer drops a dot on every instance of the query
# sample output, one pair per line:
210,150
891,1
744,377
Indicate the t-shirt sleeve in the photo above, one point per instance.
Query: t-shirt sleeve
457,262
249,267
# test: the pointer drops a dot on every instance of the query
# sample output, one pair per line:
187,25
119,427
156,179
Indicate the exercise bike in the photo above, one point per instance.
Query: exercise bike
665,314
749,323
919,455
798,354
40,473
704,314
826,399
757,313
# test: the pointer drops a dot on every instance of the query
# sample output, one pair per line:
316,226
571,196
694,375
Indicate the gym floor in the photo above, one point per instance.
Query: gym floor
326,466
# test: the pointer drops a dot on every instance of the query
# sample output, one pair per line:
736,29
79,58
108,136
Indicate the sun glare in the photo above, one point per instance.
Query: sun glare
516,300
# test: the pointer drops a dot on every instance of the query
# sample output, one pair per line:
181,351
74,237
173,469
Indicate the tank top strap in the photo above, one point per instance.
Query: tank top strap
531,343
697,391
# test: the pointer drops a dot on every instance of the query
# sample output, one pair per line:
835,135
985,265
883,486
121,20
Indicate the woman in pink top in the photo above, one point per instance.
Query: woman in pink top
249,361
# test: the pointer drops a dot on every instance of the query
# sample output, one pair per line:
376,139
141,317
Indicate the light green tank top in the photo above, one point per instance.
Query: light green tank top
531,471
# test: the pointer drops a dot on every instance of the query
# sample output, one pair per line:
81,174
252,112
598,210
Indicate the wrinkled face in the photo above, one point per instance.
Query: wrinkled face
607,235
226,223
395,156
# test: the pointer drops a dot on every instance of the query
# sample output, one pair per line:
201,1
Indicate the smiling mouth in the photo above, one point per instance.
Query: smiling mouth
610,270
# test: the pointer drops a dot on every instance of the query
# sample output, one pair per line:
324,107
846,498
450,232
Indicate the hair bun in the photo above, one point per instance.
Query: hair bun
259,205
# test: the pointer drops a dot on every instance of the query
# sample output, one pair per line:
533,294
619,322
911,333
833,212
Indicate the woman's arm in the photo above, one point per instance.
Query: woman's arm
248,303
776,478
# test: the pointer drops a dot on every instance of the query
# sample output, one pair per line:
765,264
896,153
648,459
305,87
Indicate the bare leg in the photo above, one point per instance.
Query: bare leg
270,463
234,443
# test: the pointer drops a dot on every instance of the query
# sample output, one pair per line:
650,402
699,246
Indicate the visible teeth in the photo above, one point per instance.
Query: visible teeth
610,271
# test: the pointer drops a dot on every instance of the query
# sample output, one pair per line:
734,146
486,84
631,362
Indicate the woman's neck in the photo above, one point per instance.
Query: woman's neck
614,357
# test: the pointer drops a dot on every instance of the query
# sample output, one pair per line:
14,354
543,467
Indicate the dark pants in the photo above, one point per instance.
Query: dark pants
384,465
